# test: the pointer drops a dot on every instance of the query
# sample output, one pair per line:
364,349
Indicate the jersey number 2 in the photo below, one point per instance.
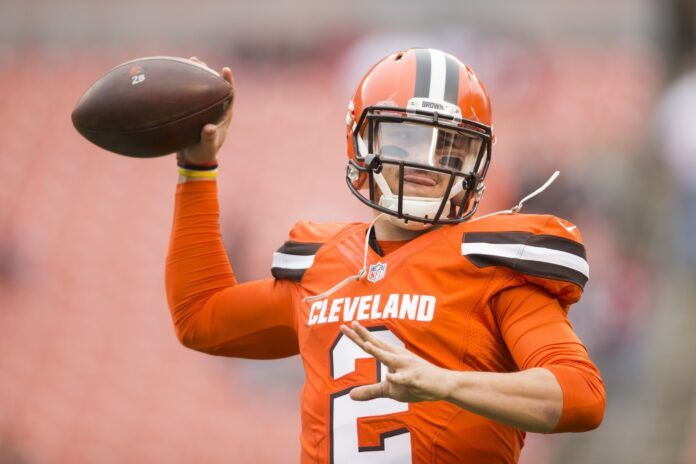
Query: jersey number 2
395,445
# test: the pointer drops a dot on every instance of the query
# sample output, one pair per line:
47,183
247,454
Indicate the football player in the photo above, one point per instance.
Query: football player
430,335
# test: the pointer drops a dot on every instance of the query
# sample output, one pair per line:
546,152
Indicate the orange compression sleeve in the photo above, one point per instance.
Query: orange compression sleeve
537,332
211,312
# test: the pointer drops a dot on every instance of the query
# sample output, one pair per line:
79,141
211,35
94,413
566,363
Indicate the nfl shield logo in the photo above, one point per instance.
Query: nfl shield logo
377,271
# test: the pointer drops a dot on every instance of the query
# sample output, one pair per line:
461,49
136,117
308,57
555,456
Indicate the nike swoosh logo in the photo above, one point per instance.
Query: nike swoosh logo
569,229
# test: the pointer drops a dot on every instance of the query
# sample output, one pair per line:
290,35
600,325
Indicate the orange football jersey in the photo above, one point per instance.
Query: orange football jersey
484,295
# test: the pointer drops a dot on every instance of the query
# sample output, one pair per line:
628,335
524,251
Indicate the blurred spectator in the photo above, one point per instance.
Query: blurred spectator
676,138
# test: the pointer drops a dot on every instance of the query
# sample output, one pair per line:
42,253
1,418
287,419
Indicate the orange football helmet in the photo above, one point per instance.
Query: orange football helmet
419,133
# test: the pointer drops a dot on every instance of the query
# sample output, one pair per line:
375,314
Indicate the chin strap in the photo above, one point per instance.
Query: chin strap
516,209
353,278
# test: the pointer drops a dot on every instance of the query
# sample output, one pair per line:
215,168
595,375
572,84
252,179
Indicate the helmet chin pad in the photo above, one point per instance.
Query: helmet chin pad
408,225
414,206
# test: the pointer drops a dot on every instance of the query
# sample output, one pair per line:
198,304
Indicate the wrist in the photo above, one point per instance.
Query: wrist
455,382
184,179
198,166
188,173
203,164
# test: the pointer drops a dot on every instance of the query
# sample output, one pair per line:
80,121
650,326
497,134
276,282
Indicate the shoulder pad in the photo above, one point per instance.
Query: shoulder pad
297,254
543,249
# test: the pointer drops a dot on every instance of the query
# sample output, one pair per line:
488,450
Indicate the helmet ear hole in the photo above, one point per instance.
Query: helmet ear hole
399,56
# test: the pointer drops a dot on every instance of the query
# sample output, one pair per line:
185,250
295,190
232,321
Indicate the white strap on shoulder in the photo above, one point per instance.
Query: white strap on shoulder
518,206
363,271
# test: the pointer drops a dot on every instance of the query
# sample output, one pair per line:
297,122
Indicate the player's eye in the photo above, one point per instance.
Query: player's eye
451,162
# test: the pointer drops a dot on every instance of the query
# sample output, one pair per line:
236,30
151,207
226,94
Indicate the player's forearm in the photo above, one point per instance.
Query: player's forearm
211,313
530,400
197,264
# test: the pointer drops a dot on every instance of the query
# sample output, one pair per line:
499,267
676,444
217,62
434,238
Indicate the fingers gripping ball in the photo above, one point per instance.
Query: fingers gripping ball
152,106
204,154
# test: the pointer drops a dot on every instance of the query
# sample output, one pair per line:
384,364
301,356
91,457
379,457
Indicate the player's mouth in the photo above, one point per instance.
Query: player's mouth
420,179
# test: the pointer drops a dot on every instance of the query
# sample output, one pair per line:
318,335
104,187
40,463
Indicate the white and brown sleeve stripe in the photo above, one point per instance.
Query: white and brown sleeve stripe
546,256
293,259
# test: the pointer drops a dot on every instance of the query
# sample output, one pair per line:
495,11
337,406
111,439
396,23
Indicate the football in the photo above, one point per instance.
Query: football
152,106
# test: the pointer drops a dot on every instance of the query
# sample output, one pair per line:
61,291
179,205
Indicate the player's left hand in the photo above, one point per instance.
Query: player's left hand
410,378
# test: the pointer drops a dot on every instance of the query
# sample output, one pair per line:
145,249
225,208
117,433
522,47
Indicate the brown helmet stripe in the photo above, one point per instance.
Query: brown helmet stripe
423,66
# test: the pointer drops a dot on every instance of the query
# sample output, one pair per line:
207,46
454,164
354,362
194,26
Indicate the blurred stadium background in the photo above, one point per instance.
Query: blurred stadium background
90,369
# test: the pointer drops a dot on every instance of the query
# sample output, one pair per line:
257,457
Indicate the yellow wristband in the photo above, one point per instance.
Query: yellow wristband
212,174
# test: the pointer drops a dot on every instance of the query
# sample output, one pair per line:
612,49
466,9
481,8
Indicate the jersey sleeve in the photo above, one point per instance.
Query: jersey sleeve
538,334
297,254
211,312
541,250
